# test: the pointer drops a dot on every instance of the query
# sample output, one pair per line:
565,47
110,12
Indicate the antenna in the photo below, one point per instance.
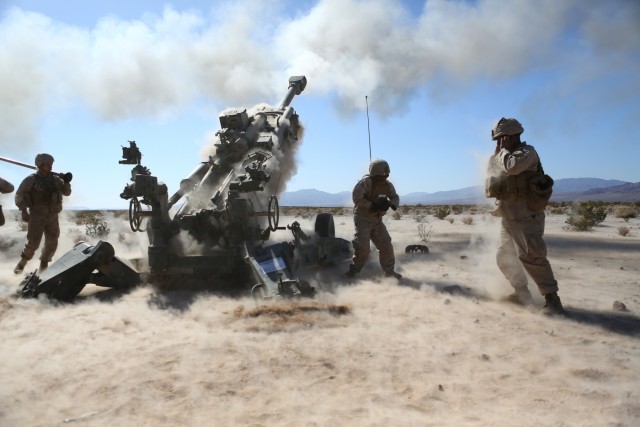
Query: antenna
368,128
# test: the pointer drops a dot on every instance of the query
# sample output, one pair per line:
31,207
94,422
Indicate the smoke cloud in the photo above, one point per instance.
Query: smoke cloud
159,64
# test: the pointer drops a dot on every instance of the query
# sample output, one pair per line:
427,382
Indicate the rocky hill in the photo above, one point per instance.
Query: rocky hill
567,189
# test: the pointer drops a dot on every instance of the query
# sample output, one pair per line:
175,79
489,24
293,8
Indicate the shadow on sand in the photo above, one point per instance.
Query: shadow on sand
620,323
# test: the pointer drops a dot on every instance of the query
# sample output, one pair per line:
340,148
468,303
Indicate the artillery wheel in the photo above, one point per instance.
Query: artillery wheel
135,214
415,249
273,213
324,225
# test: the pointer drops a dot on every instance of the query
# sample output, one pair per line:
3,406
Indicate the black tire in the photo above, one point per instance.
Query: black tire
324,225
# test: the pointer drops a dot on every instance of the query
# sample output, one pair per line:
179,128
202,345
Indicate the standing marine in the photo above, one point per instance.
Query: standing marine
512,169
5,187
39,198
372,196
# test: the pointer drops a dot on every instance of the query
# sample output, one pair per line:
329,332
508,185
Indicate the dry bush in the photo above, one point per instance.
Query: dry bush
442,211
450,220
623,231
396,215
95,225
625,212
585,215
468,220
457,209
424,232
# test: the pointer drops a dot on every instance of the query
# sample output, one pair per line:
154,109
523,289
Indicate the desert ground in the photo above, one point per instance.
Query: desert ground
438,348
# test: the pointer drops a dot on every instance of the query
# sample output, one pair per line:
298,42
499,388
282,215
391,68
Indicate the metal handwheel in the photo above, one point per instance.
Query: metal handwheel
273,213
135,214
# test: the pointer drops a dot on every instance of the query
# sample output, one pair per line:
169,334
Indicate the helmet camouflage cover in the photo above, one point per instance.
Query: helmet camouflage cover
43,158
506,126
379,167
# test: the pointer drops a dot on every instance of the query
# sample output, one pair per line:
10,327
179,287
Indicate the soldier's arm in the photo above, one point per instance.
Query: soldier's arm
520,160
359,194
63,187
393,195
23,198
5,186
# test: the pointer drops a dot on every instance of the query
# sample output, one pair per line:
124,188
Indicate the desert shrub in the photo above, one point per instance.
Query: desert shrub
556,210
468,220
396,215
623,231
585,215
424,232
625,212
457,209
95,226
450,220
420,217
442,211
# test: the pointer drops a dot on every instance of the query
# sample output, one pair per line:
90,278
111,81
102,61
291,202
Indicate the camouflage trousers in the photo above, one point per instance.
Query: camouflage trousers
42,223
522,248
370,228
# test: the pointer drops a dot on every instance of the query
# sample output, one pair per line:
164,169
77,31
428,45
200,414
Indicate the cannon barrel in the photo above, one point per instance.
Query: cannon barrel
189,183
296,86
68,176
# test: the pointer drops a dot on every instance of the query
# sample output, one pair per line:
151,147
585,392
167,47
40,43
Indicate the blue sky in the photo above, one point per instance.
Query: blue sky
81,78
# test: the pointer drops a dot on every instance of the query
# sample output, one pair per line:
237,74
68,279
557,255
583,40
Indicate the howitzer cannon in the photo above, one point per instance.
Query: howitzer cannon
218,238
230,210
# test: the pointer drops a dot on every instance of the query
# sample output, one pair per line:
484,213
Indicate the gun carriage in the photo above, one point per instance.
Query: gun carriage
220,237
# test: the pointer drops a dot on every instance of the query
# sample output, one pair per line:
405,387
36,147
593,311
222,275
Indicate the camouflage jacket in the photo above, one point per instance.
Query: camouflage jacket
511,173
42,193
365,191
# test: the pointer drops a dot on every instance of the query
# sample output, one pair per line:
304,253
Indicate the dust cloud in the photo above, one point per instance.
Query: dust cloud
162,63
438,347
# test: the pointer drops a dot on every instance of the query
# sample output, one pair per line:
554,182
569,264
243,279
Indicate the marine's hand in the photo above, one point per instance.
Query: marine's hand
376,207
25,216
66,177
383,203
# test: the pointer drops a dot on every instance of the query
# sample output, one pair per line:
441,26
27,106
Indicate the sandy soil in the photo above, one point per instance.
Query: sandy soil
439,348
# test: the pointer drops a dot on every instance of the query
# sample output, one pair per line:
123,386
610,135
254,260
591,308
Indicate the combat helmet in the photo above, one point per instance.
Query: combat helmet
379,167
43,158
506,126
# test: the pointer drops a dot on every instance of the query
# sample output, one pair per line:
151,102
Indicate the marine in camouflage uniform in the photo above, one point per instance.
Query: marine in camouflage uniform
521,246
372,196
39,198
5,187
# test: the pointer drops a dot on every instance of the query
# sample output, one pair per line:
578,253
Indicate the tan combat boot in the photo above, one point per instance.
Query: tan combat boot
43,266
552,305
20,266
521,296
352,272
392,273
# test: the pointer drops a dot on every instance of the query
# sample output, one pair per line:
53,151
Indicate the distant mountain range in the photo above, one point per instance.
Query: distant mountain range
564,190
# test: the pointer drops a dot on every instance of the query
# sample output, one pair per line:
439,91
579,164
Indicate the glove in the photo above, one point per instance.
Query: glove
384,203
67,177
25,216
379,207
